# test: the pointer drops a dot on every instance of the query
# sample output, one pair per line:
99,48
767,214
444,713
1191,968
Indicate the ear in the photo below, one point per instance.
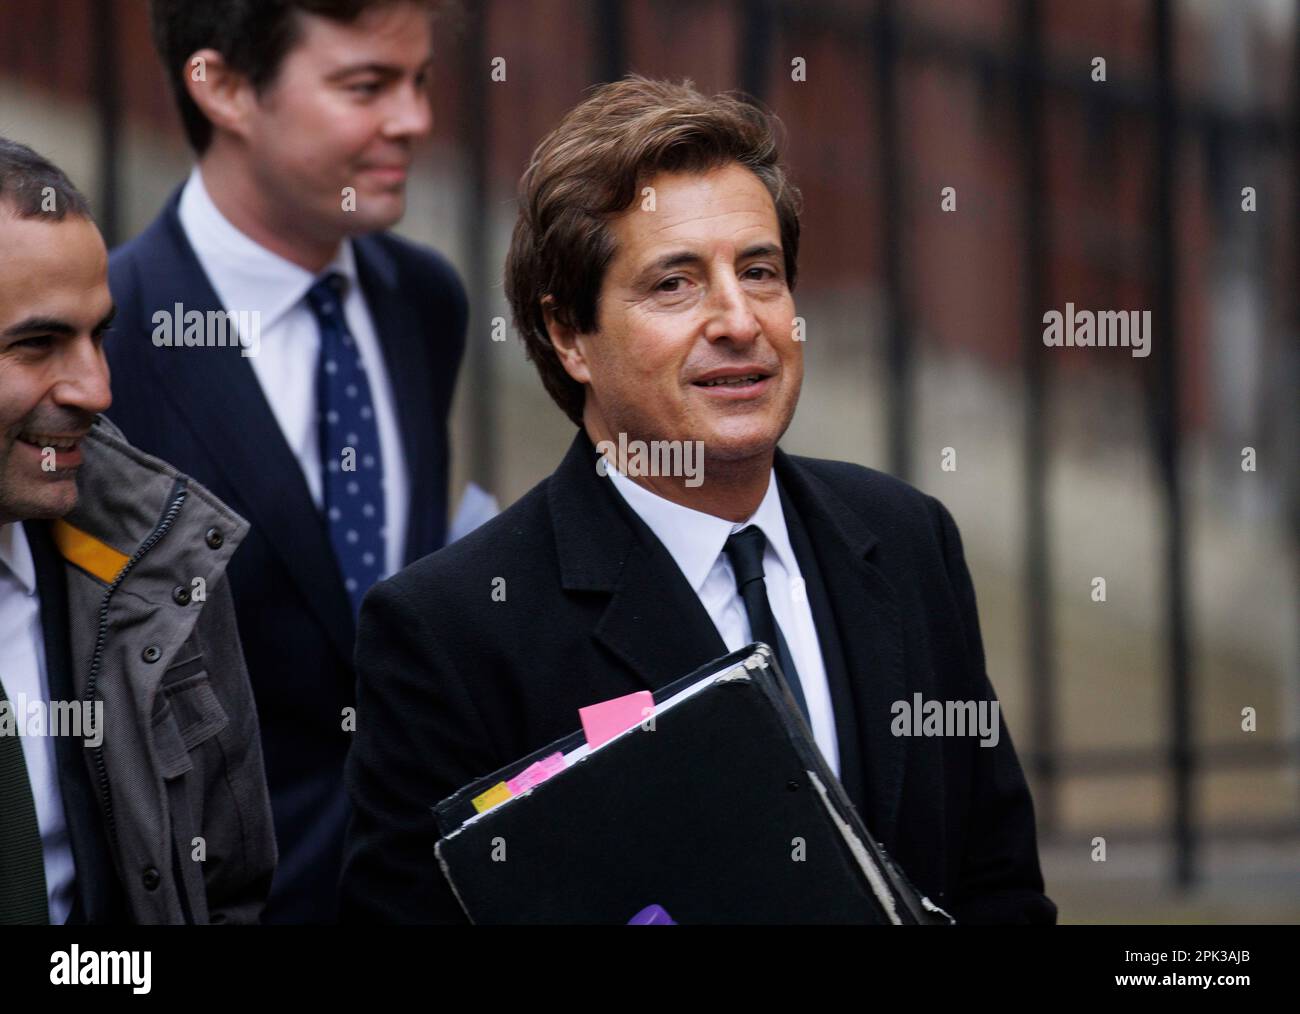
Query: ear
569,345
223,94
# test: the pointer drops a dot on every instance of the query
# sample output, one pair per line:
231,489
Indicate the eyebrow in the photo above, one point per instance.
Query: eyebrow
386,70
681,258
53,325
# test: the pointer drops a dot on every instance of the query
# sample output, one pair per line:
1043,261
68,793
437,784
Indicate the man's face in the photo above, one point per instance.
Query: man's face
54,307
345,110
696,293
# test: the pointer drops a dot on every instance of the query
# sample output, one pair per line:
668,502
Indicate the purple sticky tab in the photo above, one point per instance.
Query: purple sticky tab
602,722
652,915
536,773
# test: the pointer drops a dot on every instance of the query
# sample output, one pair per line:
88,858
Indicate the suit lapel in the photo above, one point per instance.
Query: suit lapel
216,392
654,622
865,610
831,643
405,345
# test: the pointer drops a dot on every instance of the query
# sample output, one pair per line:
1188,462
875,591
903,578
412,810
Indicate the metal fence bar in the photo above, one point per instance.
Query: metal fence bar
609,52
480,352
891,195
755,46
108,108
1165,404
1292,481
1039,633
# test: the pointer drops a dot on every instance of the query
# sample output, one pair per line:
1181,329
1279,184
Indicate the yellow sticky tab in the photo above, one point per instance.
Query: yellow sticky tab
96,558
499,793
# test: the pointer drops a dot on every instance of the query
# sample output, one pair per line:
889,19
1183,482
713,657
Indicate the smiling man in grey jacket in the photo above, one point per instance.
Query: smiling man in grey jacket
131,780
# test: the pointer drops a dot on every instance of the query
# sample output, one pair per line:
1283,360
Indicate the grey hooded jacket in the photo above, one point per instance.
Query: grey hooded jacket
178,774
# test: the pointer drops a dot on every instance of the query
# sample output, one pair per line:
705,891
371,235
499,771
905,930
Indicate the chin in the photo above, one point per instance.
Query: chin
738,438
730,447
55,501
378,211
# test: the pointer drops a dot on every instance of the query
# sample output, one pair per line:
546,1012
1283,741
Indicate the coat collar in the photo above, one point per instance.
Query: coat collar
603,546
123,495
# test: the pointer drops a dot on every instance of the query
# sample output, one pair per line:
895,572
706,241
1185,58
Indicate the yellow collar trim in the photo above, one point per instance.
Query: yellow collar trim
96,558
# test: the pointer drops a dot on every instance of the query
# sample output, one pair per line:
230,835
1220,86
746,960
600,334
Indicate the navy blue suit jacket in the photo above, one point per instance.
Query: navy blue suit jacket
203,410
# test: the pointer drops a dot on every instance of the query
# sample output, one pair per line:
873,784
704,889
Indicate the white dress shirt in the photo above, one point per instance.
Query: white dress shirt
22,670
695,541
247,277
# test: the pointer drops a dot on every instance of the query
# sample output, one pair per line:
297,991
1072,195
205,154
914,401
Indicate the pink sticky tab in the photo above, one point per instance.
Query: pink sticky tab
536,773
602,722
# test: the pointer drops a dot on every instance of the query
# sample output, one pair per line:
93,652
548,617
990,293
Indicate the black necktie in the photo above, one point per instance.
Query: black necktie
745,551
23,899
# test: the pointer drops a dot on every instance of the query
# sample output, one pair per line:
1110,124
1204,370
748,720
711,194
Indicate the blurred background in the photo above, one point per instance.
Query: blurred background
1117,185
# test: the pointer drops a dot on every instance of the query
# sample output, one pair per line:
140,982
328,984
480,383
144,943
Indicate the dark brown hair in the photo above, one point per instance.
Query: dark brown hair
253,36
591,167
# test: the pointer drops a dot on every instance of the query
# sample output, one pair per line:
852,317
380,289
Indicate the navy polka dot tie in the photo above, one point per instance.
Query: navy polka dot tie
351,465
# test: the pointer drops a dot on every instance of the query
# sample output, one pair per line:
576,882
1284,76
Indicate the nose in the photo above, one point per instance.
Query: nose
412,115
84,381
731,317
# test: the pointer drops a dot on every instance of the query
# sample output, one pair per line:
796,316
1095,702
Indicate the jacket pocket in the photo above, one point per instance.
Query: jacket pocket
188,714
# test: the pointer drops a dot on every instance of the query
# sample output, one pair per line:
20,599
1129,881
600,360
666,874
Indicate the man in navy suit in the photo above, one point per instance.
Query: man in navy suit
276,344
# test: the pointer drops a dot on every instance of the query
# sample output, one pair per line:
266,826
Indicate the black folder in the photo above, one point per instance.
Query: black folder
721,810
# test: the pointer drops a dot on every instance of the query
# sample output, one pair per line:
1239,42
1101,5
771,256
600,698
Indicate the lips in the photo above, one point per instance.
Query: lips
67,451
733,374
748,378
733,378
735,383
388,172
58,442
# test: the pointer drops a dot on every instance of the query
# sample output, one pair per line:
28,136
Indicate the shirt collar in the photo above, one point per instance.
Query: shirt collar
695,539
16,556
246,275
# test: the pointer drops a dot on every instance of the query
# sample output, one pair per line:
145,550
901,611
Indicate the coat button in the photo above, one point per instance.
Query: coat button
181,595
214,538
792,785
151,654
151,878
